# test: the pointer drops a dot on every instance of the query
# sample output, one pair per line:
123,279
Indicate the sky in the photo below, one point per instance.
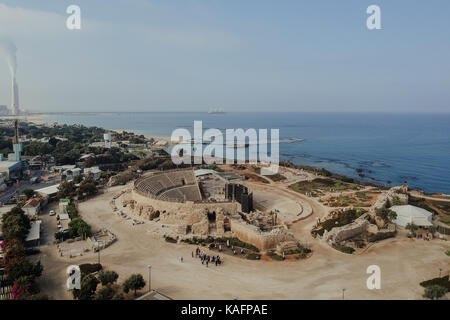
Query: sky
253,55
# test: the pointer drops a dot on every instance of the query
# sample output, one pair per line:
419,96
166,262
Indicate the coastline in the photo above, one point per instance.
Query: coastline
41,119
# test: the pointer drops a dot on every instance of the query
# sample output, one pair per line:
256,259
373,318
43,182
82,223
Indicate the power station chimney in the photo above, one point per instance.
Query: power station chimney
14,97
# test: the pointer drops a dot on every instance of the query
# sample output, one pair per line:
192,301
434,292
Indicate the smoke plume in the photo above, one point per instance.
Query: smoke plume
9,50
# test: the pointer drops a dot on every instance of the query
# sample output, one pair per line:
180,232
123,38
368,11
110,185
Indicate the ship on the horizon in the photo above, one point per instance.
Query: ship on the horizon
216,111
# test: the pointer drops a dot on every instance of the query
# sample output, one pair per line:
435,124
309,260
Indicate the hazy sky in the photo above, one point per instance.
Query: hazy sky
242,55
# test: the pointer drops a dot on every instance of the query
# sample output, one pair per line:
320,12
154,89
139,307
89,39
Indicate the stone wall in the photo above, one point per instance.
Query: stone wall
348,231
262,240
183,207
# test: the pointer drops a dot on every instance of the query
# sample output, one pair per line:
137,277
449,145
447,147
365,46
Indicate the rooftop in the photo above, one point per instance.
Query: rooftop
34,202
153,295
35,231
8,164
49,190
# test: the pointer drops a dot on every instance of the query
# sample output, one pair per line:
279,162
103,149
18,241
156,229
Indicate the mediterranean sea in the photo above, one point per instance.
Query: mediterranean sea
395,147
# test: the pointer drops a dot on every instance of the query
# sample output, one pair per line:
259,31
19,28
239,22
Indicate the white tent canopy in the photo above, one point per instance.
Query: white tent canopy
411,214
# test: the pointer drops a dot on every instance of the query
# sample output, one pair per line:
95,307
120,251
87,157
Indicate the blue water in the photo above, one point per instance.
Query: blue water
396,147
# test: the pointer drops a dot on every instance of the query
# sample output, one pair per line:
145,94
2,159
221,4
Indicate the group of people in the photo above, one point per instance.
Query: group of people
205,258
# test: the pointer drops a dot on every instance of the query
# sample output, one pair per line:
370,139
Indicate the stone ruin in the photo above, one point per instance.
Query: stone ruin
122,178
362,224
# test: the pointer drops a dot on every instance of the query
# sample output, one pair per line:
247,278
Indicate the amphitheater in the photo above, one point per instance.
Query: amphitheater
171,186
178,201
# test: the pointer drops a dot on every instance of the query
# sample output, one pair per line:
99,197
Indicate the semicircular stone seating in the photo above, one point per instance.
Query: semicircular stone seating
171,185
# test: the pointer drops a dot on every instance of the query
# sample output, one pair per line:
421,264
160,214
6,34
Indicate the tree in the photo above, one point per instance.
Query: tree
107,277
66,190
435,292
29,193
77,227
21,268
386,214
15,225
16,264
88,287
105,293
87,188
134,282
396,201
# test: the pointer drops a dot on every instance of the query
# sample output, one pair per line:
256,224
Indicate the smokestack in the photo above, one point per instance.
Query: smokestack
14,97
9,50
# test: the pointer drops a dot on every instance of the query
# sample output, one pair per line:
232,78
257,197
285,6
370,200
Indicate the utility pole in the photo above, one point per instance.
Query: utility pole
149,277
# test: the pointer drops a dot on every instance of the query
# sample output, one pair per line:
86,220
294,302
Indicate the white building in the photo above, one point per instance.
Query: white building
414,215
32,207
48,191
34,235
93,172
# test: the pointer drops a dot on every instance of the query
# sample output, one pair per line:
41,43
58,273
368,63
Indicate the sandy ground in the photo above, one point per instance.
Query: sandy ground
404,263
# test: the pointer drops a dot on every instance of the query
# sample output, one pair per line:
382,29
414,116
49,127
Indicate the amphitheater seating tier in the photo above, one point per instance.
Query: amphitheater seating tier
175,185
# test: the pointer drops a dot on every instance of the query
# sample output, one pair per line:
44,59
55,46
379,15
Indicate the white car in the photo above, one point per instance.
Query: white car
52,213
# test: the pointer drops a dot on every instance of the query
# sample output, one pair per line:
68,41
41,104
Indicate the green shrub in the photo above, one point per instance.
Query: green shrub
253,256
274,256
435,292
444,282
89,268
238,243
63,236
72,211
344,249
380,236
170,240
448,253
298,251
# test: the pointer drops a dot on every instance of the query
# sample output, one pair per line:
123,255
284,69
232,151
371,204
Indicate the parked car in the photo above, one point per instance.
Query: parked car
52,213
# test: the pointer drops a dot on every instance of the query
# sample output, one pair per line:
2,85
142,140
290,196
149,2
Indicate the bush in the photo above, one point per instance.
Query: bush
380,236
344,249
253,256
63,236
435,292
386,214
274,256
89,268
105,293
170,239
238,243
107,277
72,211
443,282
298,251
